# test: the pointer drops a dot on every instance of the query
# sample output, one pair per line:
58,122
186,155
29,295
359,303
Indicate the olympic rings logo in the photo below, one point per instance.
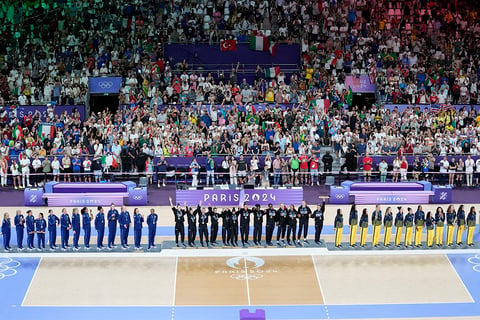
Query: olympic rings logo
137,197
8,267
340,196
105,84
475,260
248,276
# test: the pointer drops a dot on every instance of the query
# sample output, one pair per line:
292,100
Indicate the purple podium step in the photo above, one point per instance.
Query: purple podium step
83,187
386,186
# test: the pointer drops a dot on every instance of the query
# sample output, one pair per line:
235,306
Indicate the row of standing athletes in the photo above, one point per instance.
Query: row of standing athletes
434,223
114,220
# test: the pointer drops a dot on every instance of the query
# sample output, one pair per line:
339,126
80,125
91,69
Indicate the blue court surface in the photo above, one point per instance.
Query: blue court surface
17,275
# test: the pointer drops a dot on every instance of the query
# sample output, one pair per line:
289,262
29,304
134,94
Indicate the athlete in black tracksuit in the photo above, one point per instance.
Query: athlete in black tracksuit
214,217
244,224
226,227
318,215
234,228
192,225
304,213
291,224
203,225
282,214
179,216
271,220
257,224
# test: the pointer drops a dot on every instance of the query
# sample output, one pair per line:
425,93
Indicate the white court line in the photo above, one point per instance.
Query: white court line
246,278
459,278
318,281
175,282
31,281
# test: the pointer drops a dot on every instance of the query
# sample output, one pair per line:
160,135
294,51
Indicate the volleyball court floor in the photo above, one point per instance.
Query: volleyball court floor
216,284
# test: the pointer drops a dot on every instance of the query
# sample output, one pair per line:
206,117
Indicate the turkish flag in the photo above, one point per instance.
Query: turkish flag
228,45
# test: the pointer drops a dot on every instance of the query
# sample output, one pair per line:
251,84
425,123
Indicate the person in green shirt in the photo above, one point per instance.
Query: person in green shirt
383,167
294,165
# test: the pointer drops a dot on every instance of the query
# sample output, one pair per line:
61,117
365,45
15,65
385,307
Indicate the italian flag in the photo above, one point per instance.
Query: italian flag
46,129
259,43
17,132
321,104
272,72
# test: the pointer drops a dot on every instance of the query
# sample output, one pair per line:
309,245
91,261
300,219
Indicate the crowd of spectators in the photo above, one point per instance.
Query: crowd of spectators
417,52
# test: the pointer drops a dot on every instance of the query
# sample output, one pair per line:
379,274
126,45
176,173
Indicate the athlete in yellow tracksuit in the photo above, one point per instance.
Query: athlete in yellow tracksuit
363,227
460,224
408,222
471,221
387,225
419,225
451,217
352,221
398,226
338,225
439,223
429,223
377,225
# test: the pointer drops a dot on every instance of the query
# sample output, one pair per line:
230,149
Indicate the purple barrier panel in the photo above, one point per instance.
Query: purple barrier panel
422,107
386,186
33,197
237,197
85,199
360,84
80,187
259,314
22,111
137,196
442,194
339,195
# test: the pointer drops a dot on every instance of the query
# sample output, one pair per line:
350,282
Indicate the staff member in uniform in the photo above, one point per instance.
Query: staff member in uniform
87,226
352,222
202,225
398,226
40,226
429,223
271,221
257,225
76,228
6,231
19,222
304,213
338,224
319,216
65,226
30,223
419,224
137,228
124,222
53,222
226,216
192,226
152,228
387,225
363,227
291,224
282,214
234,227
451,217
460,224
408,222
439,223
100,227
112,217
244,224
471,221
214,217
179,216
377,225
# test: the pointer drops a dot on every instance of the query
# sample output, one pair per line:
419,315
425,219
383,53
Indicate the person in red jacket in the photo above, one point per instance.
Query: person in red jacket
367,162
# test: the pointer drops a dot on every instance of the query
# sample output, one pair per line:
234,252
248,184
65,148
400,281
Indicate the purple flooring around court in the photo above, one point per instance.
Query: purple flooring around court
159,197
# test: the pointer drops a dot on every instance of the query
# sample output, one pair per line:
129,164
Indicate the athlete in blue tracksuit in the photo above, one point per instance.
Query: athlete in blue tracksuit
40,226
100,227
65,226
137,227
30,223
87,226
112,217
19,222
124,222
53,222
76,228
152,228
6,231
